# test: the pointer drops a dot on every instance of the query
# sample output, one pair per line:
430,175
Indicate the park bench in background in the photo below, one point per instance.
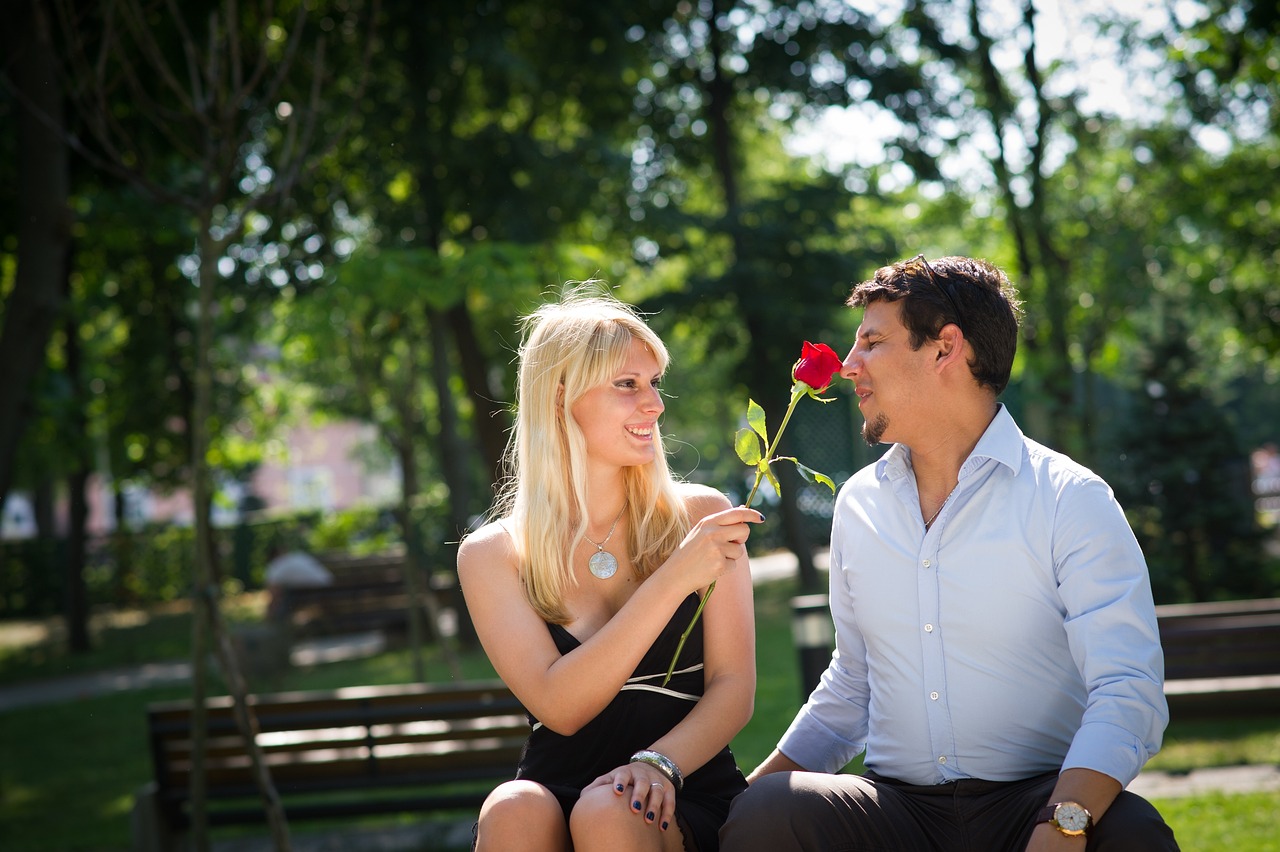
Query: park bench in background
368,594
335,754
1222,659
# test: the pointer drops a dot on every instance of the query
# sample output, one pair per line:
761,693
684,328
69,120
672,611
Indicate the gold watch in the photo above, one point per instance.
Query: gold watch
1070,818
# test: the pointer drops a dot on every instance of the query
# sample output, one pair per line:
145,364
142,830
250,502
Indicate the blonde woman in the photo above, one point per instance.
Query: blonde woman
580,588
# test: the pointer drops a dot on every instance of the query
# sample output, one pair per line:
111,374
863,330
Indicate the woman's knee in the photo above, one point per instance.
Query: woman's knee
599,806
520,810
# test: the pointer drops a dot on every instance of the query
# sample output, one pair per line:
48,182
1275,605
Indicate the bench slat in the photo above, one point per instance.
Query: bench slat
1222,658
448,744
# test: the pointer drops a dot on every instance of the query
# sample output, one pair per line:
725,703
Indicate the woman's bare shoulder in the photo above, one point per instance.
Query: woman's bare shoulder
489,545
701,500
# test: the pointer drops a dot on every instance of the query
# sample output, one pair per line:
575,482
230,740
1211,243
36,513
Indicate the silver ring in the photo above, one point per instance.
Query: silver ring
657,784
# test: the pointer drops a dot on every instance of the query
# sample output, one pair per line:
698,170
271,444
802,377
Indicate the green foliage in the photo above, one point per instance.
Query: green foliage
1186,479
152,566
358,532
486,164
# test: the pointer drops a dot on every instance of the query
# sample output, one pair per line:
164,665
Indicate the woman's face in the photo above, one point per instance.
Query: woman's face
619,418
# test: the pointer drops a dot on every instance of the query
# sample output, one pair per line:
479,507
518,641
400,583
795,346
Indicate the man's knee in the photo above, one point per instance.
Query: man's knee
784,810
1132,824
755,810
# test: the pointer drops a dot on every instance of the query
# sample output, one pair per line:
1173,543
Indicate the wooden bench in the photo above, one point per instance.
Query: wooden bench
335,754
1222,659
359,600
367,594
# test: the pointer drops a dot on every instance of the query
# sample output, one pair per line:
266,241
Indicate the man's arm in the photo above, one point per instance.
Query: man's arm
776,762
1094,790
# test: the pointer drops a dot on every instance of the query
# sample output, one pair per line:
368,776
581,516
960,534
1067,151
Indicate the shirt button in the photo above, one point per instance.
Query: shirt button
933,695
926,563
942,759
928,628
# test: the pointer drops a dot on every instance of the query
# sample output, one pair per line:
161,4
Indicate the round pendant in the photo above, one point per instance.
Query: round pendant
603,564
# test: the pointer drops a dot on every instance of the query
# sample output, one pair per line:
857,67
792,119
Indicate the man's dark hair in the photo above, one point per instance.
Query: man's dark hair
973,294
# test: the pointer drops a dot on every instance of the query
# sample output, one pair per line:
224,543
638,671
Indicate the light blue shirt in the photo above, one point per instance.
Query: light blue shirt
1016,636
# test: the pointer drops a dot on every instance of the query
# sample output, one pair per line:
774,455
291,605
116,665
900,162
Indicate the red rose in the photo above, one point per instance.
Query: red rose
817,366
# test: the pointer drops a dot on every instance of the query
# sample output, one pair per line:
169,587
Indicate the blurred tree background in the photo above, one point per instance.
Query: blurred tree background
733,167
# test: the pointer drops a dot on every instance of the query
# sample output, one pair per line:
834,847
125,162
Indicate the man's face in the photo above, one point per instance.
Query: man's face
889,377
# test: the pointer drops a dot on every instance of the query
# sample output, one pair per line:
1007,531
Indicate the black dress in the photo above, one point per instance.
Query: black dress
639,715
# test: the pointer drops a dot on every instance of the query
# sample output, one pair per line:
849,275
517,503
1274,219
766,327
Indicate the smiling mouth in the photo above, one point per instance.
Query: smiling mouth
645,432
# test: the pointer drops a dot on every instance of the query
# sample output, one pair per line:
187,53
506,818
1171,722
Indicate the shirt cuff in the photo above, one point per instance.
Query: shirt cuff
816,747
1108,749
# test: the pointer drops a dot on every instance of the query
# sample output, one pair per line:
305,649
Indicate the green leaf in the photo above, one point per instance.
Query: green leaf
747,446
755,419
811,475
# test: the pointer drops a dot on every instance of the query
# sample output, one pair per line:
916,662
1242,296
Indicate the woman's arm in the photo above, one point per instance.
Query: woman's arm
728,624
565,692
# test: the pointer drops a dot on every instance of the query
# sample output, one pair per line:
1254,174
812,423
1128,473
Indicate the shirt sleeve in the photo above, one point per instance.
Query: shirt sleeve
1111,629
831,729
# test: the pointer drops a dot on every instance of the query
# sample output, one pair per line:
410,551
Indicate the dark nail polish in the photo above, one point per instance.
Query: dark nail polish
620,787
664,825
636,804
649,816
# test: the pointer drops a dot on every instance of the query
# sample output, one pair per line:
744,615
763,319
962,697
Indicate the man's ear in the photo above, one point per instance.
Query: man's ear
950,343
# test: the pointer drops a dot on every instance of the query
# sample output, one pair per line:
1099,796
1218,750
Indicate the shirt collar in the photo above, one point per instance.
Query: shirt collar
1002,442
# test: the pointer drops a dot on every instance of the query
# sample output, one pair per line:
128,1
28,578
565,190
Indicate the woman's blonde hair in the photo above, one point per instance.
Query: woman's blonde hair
570,347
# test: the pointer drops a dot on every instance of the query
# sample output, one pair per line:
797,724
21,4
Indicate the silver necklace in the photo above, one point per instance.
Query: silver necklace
602,563
929,522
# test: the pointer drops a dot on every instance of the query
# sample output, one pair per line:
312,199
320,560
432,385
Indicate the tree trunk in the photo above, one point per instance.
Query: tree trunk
453,451
210,630
1050,378
121,544
32,306
77,602
42,511
719,97
490,419
409,532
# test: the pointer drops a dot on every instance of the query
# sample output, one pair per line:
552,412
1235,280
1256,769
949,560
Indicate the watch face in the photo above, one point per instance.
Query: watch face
1072,818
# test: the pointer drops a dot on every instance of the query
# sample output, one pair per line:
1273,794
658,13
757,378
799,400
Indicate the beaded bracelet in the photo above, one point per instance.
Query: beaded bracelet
662,763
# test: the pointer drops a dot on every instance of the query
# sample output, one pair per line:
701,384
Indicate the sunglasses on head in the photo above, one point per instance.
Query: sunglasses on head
933,276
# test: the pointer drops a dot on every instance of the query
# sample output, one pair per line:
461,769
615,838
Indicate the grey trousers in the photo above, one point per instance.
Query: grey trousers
818,812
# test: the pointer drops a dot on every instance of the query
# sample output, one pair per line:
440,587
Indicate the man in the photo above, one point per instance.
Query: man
996,648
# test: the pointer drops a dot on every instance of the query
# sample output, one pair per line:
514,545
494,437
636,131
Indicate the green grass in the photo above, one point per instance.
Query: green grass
1217,822
37,650
69,772
1232,742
